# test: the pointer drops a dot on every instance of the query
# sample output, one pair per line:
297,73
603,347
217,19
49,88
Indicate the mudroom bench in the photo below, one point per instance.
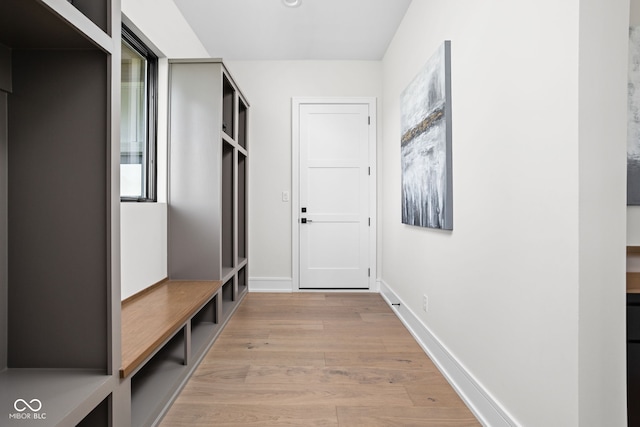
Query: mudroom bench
166,330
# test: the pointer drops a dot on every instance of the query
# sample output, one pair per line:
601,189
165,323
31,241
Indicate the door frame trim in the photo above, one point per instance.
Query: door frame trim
296,102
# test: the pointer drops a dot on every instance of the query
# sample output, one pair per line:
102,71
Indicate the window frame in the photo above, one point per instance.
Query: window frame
151,146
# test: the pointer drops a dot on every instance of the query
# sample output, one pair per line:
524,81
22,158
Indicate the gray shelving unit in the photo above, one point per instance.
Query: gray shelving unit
206,325
59,211
153,386
208,119
207,174
60,308
156,383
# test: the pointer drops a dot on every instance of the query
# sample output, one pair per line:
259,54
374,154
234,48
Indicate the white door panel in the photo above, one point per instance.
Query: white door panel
333,136
334,189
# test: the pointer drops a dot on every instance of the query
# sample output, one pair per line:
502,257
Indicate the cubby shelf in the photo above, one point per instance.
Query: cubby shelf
58,210
82,389
153,386
209,137
166,331
208,171
206,325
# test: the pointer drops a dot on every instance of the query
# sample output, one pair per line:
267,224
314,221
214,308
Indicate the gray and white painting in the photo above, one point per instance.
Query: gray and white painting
633,119
426,144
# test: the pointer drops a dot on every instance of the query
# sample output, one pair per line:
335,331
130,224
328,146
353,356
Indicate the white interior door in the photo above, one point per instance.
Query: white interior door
334,216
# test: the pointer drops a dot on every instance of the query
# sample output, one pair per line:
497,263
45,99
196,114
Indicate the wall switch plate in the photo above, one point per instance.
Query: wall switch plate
285,196
425,303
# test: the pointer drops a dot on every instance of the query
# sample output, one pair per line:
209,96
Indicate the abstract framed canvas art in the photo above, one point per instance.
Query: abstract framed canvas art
425,122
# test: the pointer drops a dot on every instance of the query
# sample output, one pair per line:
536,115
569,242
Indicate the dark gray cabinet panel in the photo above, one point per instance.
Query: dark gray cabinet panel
194,173
207,173
5,69
633,359
3,230
58,210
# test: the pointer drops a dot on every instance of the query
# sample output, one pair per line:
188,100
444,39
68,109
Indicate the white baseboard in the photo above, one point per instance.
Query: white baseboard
285,284
270,284
481,403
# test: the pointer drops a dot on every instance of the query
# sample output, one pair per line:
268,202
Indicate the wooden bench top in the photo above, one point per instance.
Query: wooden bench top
633,269
152,316
633,282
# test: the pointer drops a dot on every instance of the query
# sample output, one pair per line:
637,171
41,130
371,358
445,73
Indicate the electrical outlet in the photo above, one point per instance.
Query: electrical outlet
425,303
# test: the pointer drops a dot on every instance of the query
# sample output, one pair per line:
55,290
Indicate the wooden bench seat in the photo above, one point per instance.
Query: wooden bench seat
633,269
154,315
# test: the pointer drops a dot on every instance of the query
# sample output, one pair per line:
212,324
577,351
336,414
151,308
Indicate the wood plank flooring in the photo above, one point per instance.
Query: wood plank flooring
317,359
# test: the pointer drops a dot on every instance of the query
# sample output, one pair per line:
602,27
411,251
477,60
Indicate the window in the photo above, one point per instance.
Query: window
138,120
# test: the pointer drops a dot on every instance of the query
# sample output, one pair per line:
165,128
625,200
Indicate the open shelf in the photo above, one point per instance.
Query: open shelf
227,205
208,172
153,385
243,284
226,273
57,211
152,316
99,417
60,158
28,24
95,10
227,298
208,199
242,124
242,206
228,106
166,329
205,325
66,395
633,382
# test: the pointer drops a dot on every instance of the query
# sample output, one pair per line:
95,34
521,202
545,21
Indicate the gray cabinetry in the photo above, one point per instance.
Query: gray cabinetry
59,211
207,174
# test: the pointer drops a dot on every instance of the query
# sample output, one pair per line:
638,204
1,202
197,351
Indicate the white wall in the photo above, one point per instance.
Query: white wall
161,23
144,225
603,58
143,245
269,87
505,285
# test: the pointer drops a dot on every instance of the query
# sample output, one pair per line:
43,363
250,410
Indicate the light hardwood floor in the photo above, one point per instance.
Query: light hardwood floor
317,359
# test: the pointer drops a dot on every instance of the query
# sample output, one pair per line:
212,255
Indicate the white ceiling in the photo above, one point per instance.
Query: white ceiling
317,29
